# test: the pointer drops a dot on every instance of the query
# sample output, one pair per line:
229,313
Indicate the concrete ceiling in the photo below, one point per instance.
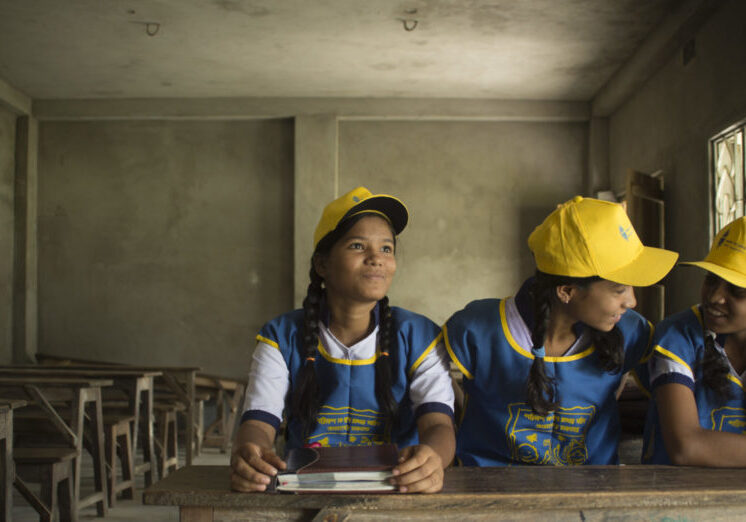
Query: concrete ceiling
505,49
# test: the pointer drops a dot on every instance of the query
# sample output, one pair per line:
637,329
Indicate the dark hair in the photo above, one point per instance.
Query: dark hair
306,398
609,345
715,369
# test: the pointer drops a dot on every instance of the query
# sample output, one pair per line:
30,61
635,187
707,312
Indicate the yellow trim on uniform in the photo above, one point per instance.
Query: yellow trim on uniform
698,313
359,362
453,355
647,356
736,380
267,341
672,356
424,354
518,348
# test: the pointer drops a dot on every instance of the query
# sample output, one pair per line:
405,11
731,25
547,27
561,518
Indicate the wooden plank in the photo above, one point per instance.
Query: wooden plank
195,514
467,489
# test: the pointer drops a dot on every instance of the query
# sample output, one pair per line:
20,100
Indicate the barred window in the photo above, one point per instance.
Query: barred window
727,154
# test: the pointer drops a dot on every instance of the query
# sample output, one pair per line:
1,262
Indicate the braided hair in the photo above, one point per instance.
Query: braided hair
609,345
715,368
306,398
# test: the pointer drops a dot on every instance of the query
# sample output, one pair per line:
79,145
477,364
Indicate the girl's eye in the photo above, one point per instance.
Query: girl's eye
387,249
356,246
711,279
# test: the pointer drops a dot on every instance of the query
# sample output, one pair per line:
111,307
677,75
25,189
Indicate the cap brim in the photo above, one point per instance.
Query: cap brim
729,275
648,268
389,206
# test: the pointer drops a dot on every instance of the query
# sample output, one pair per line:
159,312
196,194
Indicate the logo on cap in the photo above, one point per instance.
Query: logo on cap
624,233
356,199
722,239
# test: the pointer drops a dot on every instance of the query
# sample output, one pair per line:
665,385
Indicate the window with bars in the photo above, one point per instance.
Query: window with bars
727,153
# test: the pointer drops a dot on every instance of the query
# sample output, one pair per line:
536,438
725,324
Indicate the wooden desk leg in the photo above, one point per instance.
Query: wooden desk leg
191,392
195,514
148,449
7,476
99,461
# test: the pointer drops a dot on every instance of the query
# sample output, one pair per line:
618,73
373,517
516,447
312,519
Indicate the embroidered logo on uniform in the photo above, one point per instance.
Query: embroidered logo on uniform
557,439
729,419
624,233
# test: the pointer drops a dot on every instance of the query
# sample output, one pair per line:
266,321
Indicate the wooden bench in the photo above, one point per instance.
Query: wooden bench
53,469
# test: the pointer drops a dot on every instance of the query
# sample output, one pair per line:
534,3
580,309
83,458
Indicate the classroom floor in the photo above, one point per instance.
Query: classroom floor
124,510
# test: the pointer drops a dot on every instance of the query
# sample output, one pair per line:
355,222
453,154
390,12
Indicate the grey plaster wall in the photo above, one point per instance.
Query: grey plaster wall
475,190
164,242
667,124
7,176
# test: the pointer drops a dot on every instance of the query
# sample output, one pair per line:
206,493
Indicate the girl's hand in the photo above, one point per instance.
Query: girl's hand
420,470
252,467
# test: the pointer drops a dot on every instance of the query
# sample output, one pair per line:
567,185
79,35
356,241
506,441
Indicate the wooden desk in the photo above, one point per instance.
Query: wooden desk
7,474
137,385
180,380
228,394
518,493
83,398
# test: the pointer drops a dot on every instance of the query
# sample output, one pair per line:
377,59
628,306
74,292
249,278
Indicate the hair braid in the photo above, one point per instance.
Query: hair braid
540,387
715,370
384,370
306,397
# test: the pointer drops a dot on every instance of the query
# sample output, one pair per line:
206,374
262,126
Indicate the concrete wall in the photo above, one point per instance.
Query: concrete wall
474,190
667,124
164,242
7,192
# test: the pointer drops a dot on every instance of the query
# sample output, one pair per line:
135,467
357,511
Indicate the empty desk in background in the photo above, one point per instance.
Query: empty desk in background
137,385
81,398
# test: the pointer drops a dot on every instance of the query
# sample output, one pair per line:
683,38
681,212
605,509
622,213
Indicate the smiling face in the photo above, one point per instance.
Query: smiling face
361,264
600,305
723,305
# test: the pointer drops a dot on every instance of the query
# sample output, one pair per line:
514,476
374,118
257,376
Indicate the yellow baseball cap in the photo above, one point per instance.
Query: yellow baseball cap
727,257
356,201
587,237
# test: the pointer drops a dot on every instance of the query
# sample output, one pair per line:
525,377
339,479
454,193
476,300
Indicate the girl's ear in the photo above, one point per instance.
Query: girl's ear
565,293
319,264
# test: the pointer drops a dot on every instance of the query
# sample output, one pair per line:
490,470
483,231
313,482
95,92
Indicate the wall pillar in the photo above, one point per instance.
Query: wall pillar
316,184
25,251
598,176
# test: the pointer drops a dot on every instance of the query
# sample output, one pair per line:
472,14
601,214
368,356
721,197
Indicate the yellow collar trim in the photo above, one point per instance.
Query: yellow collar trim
522,351
358,362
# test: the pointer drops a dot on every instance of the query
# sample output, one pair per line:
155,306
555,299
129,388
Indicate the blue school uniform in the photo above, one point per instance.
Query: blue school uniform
350,414
679,347
498,426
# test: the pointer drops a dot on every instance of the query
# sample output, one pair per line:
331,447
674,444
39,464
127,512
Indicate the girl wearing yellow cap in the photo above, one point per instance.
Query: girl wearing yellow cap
541,369
348,369
698,368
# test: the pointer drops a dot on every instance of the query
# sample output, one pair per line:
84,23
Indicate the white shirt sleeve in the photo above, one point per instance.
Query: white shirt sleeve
269,380
431,381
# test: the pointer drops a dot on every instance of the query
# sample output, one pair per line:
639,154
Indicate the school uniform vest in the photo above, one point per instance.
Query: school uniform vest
350,414
680,338
499,428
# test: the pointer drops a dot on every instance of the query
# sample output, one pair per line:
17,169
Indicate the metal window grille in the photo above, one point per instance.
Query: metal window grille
727,174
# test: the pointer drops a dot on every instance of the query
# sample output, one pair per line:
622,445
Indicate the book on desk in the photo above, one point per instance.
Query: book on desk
340,469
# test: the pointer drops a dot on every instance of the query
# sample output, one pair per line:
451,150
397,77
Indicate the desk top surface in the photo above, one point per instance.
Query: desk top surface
529,487
64,371
54,381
